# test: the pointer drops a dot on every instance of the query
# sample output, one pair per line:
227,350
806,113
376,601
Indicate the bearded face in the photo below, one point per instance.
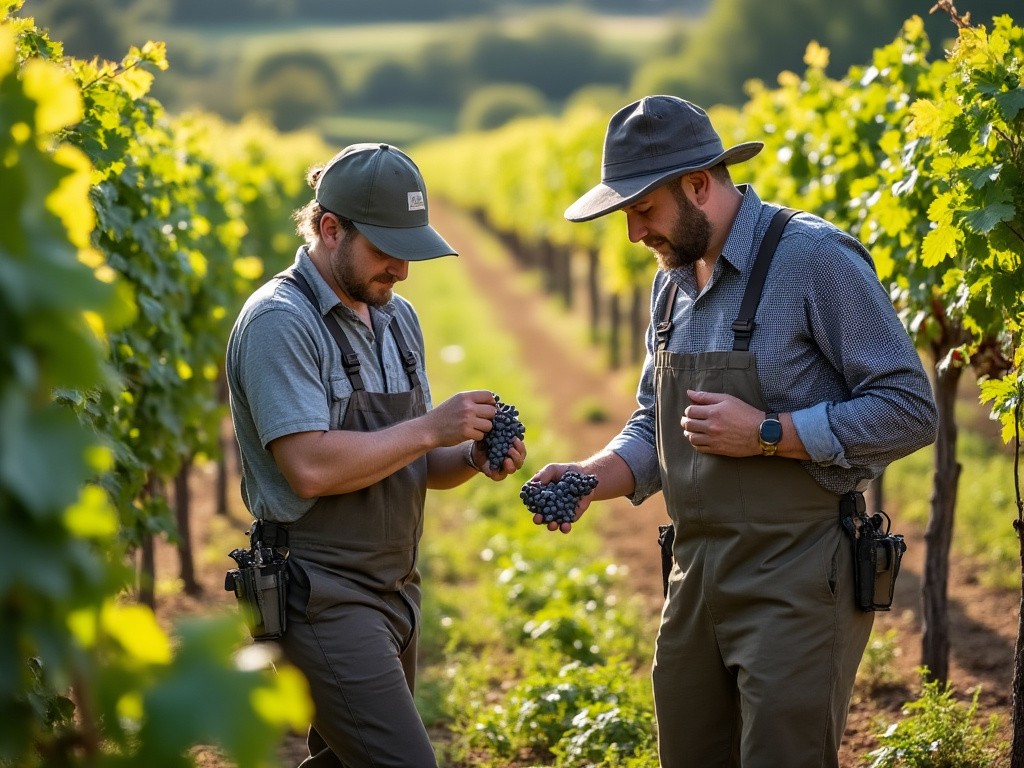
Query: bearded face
360,271
689,236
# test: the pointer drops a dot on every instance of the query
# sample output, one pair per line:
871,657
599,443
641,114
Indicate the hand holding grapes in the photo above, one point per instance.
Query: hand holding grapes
501,451
558,495
515,457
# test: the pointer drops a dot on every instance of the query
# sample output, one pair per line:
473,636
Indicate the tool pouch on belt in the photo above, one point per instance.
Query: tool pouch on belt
877,553
666,538
260,582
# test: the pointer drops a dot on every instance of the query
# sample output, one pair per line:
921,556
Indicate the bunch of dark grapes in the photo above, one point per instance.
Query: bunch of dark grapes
557,502
505,428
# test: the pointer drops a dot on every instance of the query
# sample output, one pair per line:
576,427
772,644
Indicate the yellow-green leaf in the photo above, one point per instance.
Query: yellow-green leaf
70,199
939,245
287,702
58,100
156,53
92,516
941,209
83,626
7,50
130,707
135,628
816,56
249,267
926,119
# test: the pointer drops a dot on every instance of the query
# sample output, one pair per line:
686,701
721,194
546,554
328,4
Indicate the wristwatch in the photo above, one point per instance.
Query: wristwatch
769,433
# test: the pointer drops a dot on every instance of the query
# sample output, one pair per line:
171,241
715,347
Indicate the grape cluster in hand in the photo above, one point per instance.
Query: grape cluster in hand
505,428
557,502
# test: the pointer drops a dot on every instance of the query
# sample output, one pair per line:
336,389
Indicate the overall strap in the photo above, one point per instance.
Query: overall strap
349,359
408,358
743,325
665,326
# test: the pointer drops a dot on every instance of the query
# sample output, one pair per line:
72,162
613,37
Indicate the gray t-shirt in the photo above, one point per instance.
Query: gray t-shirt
285,376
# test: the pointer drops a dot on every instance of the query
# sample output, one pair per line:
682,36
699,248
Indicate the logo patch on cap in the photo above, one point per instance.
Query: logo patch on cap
416,201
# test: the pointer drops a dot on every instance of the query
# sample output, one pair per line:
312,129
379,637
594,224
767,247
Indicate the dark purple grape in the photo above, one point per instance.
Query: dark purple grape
556,502
505,428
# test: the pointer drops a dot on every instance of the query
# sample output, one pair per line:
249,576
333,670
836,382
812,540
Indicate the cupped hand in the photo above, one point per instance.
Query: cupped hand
552,473
514,460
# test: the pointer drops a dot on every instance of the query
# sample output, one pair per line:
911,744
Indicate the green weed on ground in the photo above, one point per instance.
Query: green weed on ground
938,731
877,669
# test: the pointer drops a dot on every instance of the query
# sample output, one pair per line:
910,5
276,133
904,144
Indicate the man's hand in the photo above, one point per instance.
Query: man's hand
721,424
463,416
614,479
552,473
513,460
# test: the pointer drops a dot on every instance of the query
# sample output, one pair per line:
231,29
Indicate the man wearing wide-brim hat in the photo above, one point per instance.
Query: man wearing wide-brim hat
763,409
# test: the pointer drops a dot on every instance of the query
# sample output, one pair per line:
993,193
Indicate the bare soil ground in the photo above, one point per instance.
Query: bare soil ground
983,622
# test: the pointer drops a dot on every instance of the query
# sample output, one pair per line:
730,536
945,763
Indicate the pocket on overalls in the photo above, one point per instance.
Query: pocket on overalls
340,392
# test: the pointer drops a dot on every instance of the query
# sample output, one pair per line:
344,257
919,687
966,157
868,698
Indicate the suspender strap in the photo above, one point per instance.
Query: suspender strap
665,326
349,359
408,358
743,325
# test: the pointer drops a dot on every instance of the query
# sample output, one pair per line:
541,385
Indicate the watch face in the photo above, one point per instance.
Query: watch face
770,432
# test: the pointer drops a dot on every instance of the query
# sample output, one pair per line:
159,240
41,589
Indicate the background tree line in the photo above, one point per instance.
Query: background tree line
479,64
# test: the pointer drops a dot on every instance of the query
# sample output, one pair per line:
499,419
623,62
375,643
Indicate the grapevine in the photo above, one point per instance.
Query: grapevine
123,242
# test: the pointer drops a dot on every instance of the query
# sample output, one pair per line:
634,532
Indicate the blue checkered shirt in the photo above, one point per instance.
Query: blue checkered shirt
828,346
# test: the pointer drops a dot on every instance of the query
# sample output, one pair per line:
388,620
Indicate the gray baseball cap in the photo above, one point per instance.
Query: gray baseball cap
380,189
648,143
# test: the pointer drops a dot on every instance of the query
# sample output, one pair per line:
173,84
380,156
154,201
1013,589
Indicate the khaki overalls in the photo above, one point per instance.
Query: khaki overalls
760,639
354,599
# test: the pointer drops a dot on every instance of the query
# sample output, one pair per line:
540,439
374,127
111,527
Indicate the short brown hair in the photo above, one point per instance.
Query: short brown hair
720,173
307,218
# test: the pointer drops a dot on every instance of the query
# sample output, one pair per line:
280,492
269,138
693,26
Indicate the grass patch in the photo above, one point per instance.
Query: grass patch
985,506
590,410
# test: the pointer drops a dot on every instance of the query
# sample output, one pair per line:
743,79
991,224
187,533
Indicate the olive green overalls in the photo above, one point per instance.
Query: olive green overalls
354,597
760,640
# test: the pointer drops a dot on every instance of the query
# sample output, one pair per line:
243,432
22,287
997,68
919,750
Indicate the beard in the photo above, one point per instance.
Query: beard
689,238
375,291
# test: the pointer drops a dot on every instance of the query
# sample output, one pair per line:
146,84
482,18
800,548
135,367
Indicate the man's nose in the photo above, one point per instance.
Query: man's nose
399,269
634,228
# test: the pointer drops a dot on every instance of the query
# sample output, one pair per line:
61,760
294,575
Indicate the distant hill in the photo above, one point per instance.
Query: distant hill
348,11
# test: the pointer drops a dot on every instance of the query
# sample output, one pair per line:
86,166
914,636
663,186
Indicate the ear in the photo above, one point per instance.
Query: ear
697,187
330,230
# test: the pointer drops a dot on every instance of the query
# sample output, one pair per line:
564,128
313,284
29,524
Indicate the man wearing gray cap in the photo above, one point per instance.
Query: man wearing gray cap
769,398
339,442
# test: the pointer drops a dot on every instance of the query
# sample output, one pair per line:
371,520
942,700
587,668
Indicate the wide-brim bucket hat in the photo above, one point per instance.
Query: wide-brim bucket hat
651,142
381,191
